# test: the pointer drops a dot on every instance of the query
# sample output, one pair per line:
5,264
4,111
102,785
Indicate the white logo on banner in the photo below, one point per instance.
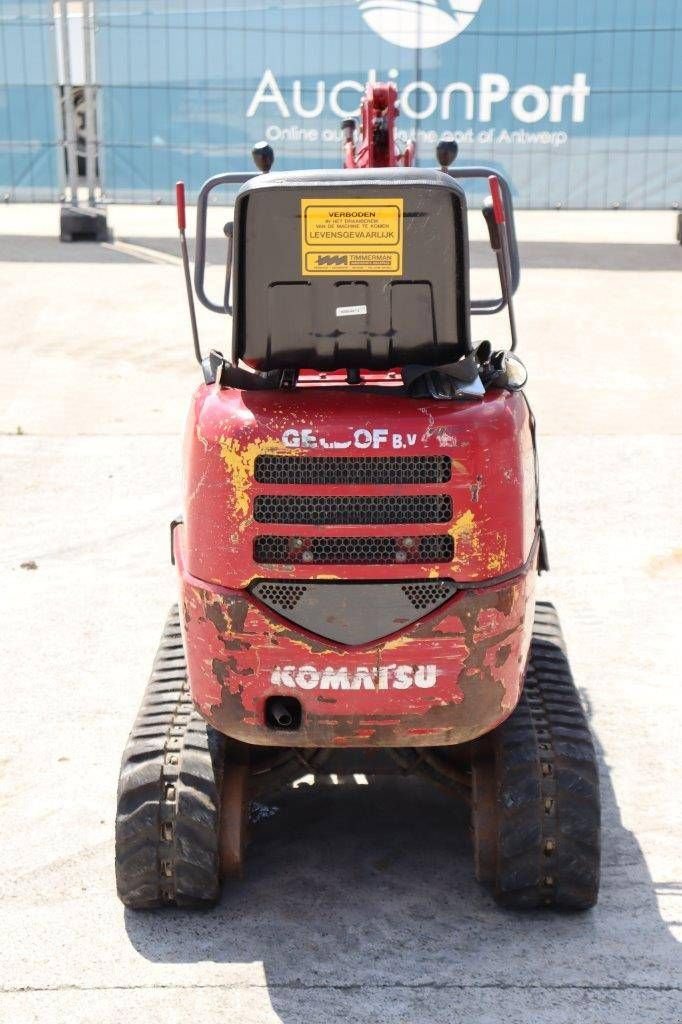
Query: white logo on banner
418,24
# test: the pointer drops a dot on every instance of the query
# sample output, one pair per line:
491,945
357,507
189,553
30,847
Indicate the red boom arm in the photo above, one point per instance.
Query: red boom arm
377,145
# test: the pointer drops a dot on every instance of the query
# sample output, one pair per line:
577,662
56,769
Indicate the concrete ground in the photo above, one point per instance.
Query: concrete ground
359,902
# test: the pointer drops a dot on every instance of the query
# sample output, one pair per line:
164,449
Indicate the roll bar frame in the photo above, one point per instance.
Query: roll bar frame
477,307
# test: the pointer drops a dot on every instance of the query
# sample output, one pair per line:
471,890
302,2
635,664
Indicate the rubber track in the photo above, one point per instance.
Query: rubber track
168,809
547,785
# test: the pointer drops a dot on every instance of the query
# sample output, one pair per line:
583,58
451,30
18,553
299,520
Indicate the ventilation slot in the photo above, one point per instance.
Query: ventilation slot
281,597
425,596
331,470
273,550
428,508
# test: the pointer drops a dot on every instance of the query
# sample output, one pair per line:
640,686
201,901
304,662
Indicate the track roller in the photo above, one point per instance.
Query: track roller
536,809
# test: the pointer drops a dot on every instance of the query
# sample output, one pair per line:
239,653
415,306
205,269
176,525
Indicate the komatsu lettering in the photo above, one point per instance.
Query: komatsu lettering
383,677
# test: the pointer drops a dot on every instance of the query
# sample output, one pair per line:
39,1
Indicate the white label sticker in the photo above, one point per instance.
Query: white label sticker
351,310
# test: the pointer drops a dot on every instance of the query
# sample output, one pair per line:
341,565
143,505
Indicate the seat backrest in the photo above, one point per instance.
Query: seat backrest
350,269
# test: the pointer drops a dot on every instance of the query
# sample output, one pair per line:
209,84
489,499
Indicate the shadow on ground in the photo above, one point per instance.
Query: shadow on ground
39,249
363,897
556,255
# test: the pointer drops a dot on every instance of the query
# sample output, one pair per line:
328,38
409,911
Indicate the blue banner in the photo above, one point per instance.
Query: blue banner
578,103
29,139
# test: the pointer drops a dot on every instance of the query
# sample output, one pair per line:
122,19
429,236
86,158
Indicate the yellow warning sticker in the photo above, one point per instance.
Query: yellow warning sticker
352,236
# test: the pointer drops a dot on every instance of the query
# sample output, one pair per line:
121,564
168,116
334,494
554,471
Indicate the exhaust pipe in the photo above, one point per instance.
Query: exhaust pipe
283,713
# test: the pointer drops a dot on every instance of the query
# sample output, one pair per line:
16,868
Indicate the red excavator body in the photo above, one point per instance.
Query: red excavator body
446,503
360,540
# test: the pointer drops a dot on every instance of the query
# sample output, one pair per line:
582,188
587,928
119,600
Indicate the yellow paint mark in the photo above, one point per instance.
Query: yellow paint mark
240,460
466,535
459,467
398,641
464,526
496,561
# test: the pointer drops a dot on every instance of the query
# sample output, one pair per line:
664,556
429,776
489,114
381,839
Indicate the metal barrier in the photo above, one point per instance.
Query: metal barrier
48,103
30,138
78,93
579,105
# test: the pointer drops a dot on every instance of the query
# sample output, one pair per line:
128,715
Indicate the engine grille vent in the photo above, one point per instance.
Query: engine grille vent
330,470
280,596
273,550
317,511
428,595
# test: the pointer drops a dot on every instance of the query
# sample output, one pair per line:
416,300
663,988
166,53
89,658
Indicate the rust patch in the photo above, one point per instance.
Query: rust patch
237,645
483,698
215,614
220,670
227,614
502,654
224,667
475,639
308,642
505,599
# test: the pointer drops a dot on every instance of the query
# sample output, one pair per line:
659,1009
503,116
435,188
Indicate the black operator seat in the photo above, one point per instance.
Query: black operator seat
364,269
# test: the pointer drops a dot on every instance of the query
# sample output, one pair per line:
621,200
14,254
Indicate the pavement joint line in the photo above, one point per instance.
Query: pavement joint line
354,986
143,253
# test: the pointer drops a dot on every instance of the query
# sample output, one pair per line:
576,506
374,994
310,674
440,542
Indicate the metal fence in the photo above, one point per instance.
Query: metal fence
30,139
579,104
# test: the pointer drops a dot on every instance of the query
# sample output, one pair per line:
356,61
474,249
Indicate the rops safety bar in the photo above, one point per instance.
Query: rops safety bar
507,251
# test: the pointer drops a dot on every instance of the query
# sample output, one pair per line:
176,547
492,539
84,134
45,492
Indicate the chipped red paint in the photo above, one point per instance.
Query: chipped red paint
492,485
478,644
446,679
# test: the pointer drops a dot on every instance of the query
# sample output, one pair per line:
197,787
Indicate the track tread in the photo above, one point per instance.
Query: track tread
547,786
168,812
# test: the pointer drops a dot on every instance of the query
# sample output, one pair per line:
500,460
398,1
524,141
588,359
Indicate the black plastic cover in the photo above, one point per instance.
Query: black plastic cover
286,312
353,613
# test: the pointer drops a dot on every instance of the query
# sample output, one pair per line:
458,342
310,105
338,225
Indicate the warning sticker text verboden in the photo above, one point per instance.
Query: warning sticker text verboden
352,236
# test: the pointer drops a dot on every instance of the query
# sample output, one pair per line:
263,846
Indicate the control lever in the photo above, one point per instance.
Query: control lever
228,231
491,223
348,128
182,224
263,156
496,220
446,153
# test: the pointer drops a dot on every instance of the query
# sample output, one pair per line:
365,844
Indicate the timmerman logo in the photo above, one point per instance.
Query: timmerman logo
418,24
385,677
